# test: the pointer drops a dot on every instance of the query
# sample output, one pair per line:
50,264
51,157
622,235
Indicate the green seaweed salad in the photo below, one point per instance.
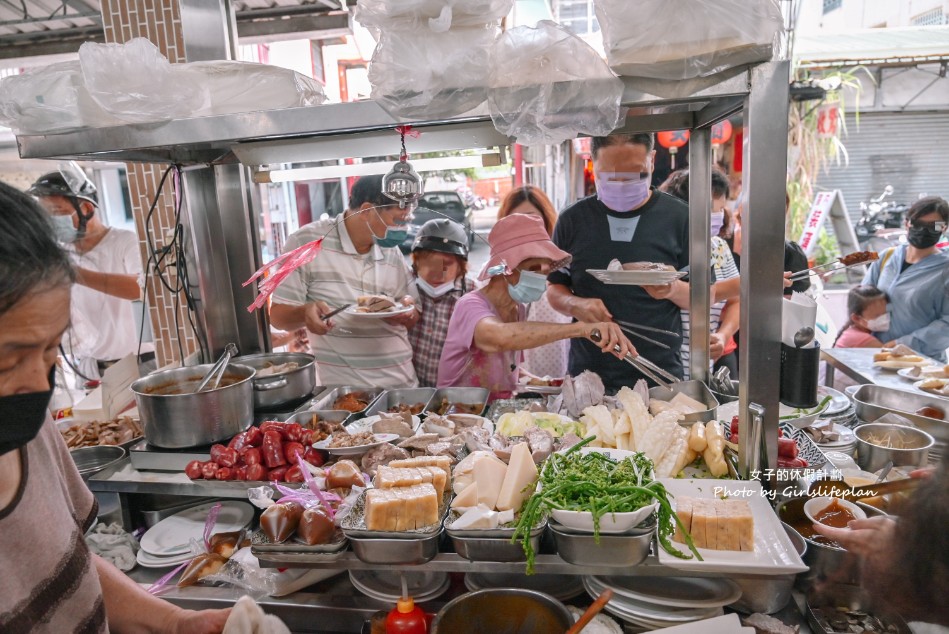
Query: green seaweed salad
594,482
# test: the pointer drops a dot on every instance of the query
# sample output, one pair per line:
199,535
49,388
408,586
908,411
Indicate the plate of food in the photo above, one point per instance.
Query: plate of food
347,444
386,423
637,273
733,527
377,307
899,357
926,372
933,386
540,384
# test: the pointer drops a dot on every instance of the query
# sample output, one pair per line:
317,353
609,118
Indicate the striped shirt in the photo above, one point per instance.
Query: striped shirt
428,335
723,266
49,581
359,350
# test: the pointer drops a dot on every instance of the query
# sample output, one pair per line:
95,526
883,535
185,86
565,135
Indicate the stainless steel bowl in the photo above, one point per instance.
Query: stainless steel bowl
509,610
693,389
620,550
287,387
399,552
175,418
871,456
768,595
873,401
90,460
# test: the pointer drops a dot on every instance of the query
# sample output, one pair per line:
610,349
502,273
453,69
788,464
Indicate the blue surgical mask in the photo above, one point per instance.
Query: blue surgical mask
622,191
64,230
529,288
717,222
394,236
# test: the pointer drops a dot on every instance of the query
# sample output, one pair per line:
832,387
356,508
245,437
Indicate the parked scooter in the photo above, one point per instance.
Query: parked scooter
881,223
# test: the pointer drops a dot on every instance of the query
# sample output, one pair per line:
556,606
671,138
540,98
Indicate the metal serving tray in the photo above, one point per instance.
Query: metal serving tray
304,418
260,543
620,550
873,401
510,405
326,400
400,552
408,396
693,389
494,544
467,395
354,524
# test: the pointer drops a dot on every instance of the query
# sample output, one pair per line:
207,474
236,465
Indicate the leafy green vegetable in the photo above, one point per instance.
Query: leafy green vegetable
594,482
801,413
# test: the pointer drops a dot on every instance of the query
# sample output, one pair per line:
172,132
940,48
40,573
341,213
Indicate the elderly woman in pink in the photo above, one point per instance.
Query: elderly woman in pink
488,328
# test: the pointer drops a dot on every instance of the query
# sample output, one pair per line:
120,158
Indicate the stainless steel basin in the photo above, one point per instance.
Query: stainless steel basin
873,401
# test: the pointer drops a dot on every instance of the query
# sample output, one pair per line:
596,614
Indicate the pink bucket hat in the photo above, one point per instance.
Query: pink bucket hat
520,237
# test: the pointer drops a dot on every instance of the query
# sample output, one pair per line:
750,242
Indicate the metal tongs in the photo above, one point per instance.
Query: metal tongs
213,377
644,365
800,275
629,329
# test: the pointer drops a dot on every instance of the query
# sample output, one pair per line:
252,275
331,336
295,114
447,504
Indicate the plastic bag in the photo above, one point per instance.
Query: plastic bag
437,15
50,99
586,100
686,38
247,87
135,82
426,75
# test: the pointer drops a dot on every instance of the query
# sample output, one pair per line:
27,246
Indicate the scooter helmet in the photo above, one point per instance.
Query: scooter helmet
54,184
444,235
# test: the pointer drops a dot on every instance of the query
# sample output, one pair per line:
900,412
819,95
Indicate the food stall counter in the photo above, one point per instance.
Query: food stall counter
858,364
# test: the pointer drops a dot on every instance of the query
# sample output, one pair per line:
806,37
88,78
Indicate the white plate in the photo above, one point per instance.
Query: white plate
674,592
773,555
150,561
839,401
726,624
636,278
387,585
846,439
173,535
385,314
655,624
906,374
380,439
609,523
560,587
943,391
727,410
365,424
646,610
899,365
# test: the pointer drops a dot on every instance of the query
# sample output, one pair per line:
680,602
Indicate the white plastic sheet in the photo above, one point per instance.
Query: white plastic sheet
548,85
428,75
437,15
50,99
683,39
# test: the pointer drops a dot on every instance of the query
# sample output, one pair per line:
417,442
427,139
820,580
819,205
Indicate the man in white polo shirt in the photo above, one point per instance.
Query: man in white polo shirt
359,256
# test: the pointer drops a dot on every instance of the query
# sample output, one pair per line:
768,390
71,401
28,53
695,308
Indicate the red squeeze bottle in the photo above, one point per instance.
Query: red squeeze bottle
406,618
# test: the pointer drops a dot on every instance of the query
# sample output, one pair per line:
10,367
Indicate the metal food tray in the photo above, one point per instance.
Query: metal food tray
693,389
407,396
261,543
873,401
326,400
354,524
511,405
398,552
492,544
340,416
614,549
806,447
467,395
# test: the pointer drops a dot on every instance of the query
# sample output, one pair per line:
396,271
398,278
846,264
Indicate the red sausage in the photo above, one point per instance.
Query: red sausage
216,451
224,473
240,473
253,437
787,448
294,474
272,449
256,472
193,470
228,458
290,451
314,457
209,470
251,455
294,432
277,475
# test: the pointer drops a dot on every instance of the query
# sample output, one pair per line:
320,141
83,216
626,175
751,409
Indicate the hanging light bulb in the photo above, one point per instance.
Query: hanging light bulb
402,184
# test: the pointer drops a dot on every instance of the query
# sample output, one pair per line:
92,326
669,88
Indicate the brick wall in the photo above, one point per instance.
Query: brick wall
160,22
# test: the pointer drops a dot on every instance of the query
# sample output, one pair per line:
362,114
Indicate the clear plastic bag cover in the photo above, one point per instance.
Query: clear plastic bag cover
548,85
427,75
135,82
437,15
683,39
50,99
247,87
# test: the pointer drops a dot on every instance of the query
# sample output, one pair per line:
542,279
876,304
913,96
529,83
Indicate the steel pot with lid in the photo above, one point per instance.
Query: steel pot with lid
173,417
273,389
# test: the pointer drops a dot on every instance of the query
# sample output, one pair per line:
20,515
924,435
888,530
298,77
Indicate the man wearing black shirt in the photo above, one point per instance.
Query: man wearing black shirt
631,222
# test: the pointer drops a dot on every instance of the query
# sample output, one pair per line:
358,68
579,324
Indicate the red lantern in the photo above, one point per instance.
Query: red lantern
721,132
673,139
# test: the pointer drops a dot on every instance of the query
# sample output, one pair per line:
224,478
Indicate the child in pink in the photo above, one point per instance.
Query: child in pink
866,306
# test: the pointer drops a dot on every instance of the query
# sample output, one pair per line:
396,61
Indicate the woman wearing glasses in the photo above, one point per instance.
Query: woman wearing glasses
915,276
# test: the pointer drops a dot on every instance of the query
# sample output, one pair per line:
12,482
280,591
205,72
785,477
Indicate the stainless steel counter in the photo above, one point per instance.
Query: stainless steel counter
857,363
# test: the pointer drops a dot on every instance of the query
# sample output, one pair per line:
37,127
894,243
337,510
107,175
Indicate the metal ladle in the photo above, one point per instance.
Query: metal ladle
213,377
803,336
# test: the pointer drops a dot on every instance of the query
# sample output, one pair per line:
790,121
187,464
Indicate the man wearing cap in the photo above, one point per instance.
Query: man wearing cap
488,328
108,273
440,264
359,256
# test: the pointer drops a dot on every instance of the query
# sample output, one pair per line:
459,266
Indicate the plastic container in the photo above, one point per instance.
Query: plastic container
799,370
406,618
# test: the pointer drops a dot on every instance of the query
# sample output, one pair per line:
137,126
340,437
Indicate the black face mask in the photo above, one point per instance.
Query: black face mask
922,237
22,416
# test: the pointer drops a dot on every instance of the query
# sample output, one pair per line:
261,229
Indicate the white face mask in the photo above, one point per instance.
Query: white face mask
434,291
881,323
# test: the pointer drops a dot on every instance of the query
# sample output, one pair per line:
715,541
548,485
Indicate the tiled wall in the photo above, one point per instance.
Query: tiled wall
160,22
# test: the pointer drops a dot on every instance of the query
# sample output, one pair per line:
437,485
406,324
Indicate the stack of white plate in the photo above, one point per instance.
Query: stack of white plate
657,602
560,587
846,443
168,543
387,586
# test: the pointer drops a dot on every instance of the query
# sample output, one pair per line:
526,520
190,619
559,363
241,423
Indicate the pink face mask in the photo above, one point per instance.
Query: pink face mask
622,191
